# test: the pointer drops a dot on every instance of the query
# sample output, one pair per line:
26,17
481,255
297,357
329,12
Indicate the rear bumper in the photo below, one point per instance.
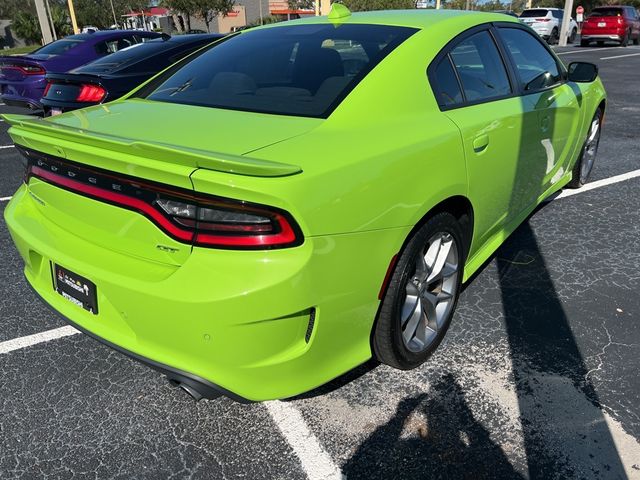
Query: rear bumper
601,36
256,325
26,93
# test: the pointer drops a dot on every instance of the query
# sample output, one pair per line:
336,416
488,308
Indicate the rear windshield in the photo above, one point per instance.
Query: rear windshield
535,12
301,70
127,56
58,47
606,12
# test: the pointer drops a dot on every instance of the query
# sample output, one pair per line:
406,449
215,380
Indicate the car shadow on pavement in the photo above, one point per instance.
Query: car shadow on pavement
432,435
564,428
564,431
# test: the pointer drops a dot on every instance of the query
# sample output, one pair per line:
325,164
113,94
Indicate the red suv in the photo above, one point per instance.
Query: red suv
617,23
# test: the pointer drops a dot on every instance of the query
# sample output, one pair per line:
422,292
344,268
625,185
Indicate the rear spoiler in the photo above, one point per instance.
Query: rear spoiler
25,126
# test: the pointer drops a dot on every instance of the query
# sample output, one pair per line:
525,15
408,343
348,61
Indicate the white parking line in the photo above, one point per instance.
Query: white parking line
6,146
620,56
583,50
315,460
599,183
29,340
5,199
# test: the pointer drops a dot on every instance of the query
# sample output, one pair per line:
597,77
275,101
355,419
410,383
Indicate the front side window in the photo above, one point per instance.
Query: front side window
536,67
302,70
480,68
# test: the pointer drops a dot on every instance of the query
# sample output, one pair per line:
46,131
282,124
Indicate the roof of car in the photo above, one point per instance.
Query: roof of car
416,18
103,33
188,38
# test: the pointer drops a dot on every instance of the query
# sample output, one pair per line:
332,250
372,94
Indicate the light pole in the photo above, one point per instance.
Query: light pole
45,28
72,14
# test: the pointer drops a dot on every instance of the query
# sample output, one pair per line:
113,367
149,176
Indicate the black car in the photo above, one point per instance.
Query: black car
111,77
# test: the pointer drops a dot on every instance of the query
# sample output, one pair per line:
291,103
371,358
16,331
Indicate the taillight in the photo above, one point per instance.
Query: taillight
197,219
46,89
91,93
26,69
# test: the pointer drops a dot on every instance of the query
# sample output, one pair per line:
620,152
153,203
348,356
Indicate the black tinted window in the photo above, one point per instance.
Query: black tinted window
58,47
606,12
446,86
480,68
300,70
557,14
534,12
535,65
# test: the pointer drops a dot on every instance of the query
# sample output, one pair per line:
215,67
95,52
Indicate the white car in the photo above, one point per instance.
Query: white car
547,22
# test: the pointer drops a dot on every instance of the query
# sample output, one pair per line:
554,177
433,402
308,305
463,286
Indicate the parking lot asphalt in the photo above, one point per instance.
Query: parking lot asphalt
537,377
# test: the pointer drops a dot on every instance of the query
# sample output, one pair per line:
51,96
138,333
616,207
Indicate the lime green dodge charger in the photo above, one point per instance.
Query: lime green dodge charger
288,202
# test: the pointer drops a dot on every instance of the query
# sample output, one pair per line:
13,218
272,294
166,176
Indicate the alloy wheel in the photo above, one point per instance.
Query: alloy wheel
590,149
430,292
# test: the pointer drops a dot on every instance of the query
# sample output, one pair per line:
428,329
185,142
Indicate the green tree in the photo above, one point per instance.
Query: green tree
25,25
185,8
301,4
99,14
365,5
208,10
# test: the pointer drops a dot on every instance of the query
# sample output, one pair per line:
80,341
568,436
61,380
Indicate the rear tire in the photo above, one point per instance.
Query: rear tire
422,294
584,165
554,37
625,40
574,34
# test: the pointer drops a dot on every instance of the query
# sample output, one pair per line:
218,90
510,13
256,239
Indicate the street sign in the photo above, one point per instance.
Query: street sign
579,17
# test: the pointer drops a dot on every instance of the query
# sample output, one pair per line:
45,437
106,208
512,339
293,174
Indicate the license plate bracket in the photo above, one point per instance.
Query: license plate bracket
75,288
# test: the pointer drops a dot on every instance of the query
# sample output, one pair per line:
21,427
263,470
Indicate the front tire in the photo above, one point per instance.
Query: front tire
422,294
584,165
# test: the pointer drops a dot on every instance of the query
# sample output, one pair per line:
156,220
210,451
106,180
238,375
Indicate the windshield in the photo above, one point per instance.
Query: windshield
536,12
606,12
58,47
302,70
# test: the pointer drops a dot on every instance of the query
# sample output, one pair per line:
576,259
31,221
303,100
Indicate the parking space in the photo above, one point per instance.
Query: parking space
537,377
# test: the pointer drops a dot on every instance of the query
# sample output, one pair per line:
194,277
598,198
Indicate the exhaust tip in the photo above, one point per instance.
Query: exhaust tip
190,387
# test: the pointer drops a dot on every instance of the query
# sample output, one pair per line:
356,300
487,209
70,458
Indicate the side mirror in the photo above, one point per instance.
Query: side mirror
582,72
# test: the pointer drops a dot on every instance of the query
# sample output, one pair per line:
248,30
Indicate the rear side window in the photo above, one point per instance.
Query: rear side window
536,67
112,46
446,85
301,70
534,12
480,68
557,14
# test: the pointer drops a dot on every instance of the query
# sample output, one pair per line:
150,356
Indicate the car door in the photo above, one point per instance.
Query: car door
473,88
551,111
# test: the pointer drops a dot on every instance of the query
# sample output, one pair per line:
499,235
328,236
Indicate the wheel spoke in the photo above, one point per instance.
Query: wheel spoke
440,260
595,126
410,328
432,253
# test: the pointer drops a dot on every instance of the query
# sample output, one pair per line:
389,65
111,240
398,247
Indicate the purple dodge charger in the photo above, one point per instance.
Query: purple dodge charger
22,77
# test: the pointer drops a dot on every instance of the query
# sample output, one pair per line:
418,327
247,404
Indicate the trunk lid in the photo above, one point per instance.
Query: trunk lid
162,143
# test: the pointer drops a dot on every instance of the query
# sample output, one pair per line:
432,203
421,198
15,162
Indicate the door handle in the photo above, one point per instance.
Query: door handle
480,143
